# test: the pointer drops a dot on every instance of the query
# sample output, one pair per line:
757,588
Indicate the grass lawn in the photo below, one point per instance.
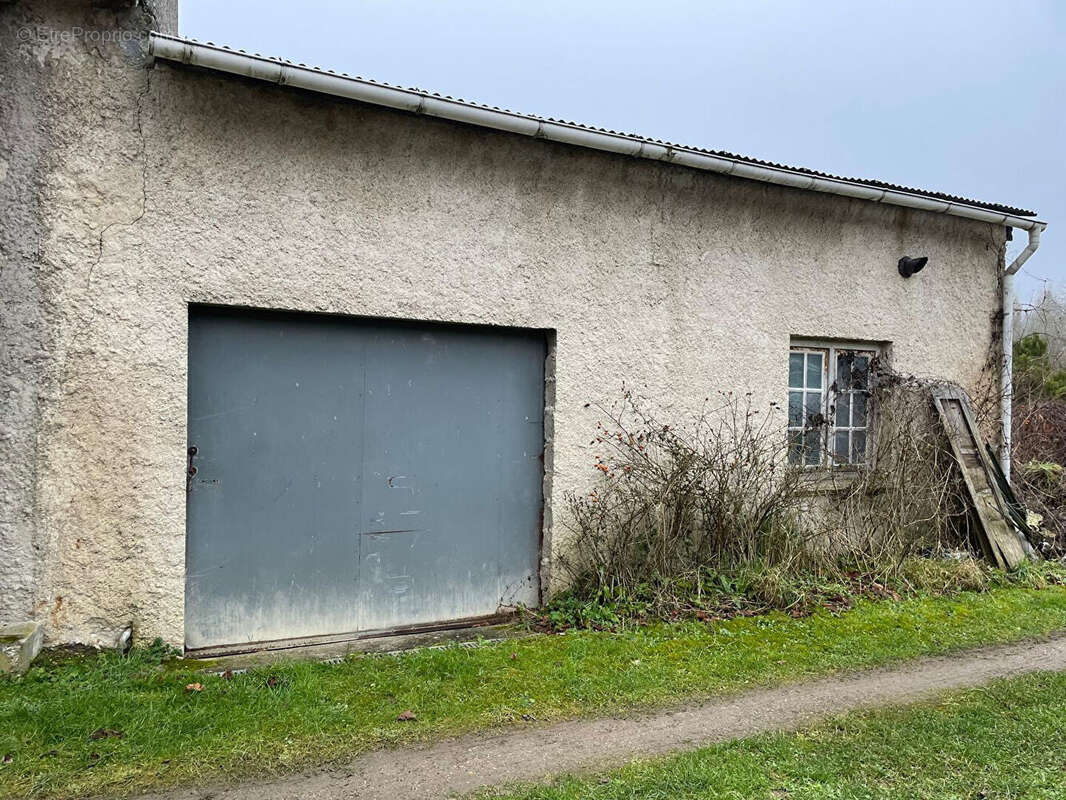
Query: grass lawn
1007,740
150,732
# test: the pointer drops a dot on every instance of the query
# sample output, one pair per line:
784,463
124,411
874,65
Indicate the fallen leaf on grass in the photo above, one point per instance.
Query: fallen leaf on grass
406,716
106,733
194,687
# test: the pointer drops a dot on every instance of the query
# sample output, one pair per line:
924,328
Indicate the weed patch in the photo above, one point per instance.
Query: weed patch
711,595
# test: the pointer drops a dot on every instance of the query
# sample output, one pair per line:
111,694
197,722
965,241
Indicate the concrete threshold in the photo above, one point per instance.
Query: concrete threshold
381,644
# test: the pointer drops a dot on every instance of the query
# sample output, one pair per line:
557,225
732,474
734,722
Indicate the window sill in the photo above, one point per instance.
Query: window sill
826,480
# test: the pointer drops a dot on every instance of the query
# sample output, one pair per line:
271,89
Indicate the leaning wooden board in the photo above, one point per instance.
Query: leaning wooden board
1003,544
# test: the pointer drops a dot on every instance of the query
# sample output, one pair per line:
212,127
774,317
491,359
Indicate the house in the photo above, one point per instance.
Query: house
290,356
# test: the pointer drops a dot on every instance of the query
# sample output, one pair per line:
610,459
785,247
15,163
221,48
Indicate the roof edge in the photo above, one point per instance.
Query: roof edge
273,70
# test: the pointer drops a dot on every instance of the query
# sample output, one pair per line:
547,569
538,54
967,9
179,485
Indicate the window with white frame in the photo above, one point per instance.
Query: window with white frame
829,414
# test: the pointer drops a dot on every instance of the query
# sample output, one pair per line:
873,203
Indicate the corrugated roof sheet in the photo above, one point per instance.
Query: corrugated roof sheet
877,184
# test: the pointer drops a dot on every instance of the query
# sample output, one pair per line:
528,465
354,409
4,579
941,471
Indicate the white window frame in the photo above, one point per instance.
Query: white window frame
827,404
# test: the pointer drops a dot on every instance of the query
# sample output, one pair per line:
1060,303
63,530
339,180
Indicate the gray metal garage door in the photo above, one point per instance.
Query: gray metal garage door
355,476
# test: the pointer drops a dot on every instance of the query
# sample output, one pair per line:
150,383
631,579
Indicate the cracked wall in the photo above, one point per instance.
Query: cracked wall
72,170
157,188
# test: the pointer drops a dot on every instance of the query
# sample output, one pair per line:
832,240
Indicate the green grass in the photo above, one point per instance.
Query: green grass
313,713
1004,741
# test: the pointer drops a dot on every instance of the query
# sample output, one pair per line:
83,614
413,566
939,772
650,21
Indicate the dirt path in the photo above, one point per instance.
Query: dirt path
537,752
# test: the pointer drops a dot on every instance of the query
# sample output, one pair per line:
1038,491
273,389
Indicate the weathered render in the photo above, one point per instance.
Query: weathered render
132,190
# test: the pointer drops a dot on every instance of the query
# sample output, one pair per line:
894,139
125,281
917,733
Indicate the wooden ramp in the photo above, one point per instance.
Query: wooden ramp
1004,545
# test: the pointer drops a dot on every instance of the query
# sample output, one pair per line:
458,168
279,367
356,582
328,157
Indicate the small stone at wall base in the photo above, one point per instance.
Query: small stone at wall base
19,645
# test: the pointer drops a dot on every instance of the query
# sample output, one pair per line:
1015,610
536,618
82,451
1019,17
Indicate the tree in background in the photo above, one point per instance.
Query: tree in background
1039,429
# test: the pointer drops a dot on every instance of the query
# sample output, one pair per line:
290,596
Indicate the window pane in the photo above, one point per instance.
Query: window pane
814,409
860,372
795,409
814,370
844,371
840,450
842,406
858,402
813,448
795,447
860,446
795,370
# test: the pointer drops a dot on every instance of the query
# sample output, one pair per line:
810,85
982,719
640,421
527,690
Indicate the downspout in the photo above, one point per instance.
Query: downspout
1007,373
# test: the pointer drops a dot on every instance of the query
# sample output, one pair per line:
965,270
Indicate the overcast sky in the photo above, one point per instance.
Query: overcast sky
963,96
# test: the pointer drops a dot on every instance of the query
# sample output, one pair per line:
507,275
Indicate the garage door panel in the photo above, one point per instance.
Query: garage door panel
275,414
438,433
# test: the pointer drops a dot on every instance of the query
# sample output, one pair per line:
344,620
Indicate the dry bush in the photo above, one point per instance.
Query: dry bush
681,511
1038,456
715,493
910,499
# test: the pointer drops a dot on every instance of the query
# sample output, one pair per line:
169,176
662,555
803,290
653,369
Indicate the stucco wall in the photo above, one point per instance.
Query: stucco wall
73,75
22,146
209,189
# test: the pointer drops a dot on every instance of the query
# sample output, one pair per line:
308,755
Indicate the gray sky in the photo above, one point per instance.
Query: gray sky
964,96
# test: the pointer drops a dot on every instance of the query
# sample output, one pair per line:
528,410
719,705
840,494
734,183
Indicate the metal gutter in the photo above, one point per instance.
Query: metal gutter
285,73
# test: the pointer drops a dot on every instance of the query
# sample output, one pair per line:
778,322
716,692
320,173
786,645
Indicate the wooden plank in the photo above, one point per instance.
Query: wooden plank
1002,543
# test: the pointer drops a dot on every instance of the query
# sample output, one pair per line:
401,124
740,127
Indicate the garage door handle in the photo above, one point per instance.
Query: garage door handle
190,468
